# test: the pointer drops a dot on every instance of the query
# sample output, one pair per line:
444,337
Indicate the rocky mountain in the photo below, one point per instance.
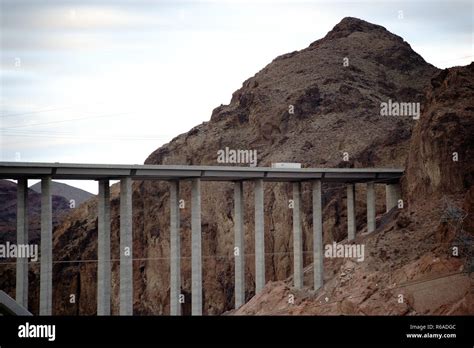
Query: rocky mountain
67,191
319,106
424,253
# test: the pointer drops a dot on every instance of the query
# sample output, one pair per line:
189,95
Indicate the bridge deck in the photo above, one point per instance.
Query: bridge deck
81,171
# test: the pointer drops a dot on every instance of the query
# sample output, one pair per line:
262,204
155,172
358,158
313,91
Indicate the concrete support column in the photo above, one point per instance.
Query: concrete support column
392,195
103,250
46,266
22,238
370,207
259,237
297,238
239,250
175,250
317,235
351,223
126,248
196,256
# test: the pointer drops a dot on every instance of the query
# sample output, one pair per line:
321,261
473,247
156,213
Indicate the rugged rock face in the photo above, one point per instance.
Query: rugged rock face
442,149
309,106
412,254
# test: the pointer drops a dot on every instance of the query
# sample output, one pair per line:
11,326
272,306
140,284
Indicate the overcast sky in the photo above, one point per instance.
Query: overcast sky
110,81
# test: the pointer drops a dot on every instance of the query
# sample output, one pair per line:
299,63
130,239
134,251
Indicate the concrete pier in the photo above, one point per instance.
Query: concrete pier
104,268
370,207
297,238
239,246
351,223
126,247
318,253
392,195
22,239
259,237
175,250
46,264
196,256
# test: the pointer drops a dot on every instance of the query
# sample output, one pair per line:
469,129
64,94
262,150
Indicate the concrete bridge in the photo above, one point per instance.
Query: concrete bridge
103,173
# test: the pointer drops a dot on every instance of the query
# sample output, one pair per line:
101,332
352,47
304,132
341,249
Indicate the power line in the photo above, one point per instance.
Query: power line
91,137
46,110
68,120
226,256
34,112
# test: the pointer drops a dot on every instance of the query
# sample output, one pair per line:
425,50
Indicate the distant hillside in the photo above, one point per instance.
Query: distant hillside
8,212
66,191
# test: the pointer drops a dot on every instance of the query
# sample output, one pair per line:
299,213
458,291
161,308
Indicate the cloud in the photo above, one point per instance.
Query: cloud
67,25
78,17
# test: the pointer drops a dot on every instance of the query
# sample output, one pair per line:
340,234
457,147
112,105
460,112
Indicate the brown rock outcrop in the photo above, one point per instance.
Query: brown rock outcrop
442,148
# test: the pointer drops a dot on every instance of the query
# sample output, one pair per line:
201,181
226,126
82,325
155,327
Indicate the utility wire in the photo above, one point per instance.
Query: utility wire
67,120
35,112
227,256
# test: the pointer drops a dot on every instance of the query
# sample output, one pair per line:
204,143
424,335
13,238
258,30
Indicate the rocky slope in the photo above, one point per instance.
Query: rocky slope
306,106
412,255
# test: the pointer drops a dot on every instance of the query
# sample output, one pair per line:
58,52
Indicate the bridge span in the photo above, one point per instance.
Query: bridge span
103,173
